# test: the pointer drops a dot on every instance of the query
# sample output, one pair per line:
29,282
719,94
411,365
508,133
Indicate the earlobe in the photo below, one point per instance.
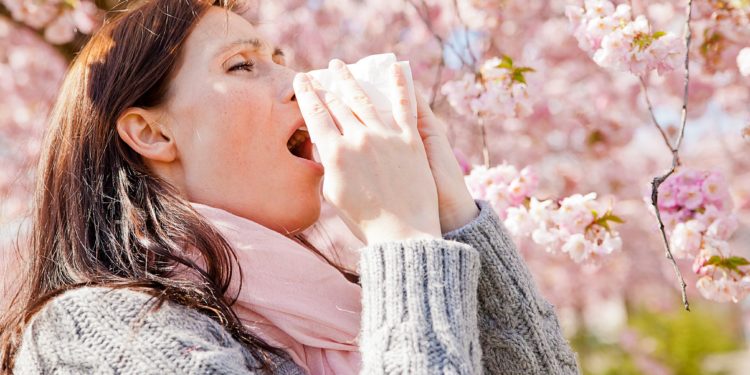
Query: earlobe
137,127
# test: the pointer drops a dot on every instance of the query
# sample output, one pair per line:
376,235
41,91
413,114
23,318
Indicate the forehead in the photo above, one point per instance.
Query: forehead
219,29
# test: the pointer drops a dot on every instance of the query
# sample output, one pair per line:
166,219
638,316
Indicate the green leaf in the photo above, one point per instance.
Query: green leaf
506,63
731,263
604,220
507,59
714,261
738,261
525,69
658,35
615,218
518,77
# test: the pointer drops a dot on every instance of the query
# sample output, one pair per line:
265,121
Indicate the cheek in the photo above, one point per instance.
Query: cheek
226,124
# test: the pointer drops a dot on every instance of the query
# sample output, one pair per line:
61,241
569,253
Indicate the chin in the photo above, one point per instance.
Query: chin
304,216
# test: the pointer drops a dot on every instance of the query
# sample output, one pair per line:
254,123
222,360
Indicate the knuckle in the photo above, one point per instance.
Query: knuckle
360,98
398,76
330,101
403,101
318,108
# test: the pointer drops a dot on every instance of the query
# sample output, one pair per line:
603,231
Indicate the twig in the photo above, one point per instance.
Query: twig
426,19
675,156
474,59
438,79
439,74
688,36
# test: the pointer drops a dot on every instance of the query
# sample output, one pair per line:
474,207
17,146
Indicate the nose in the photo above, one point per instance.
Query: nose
287,90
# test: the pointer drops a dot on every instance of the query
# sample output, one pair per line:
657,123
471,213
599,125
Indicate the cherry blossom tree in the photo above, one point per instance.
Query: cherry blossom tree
604,133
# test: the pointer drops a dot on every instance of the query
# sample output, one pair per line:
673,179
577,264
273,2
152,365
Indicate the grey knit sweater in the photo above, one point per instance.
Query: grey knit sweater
465,304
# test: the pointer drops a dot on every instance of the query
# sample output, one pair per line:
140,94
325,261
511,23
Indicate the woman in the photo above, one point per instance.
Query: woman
176,104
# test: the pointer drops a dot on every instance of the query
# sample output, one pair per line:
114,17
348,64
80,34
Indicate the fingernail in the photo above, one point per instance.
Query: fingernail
394,68
337,64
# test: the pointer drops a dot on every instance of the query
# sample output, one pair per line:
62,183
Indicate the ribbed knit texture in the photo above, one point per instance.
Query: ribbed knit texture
115,331
518,329
419,316
465,304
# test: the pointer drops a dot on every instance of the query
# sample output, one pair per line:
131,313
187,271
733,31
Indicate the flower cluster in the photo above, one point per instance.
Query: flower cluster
578,225
497,90
615,40
696,209
723,278
59,19
503,186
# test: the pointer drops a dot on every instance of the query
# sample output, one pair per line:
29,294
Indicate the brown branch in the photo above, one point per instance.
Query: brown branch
657,181
426,19
439,73
438,79
653,117
688,36
474,59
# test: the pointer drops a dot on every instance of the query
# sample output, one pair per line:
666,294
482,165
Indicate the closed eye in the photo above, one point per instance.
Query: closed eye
244,65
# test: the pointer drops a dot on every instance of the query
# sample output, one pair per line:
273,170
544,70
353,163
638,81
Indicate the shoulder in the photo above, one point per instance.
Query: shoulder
102,330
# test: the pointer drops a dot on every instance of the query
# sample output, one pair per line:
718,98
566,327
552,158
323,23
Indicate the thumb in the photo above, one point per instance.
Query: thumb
427,123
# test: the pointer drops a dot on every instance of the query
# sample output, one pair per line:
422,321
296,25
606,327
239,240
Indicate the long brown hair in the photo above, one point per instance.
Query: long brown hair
100,216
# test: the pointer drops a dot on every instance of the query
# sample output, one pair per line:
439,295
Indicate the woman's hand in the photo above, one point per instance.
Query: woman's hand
376,174
456,204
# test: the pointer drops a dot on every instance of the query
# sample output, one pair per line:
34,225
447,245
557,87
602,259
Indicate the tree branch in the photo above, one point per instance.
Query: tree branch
657,181
653,117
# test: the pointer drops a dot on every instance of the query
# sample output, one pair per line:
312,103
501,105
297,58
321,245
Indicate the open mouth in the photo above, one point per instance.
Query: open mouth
300,145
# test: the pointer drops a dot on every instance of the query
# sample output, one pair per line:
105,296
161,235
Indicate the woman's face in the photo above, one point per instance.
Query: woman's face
231,110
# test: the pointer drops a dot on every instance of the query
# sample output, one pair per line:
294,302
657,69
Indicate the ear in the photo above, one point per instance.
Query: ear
140,130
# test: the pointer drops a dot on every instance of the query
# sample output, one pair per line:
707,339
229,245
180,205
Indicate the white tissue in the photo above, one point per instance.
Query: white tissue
372,75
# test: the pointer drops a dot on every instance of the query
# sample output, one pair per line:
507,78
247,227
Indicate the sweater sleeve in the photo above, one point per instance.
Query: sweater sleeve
419,308
518,329
106,331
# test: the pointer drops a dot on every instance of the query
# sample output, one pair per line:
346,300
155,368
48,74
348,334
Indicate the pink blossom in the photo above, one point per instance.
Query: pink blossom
575,212
713,187
577,247
667,195
614,41
61,30
519,222
709,215
690,196
494,91
743,61
686,239
546,237
87,17
725,288
36,14
723,227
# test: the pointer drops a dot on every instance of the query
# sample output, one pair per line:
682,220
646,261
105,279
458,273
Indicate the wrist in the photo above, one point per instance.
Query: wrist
389,232
460,215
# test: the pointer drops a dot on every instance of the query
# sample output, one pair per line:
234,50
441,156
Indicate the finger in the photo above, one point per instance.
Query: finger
427,123
341,113
319,123
355,97
401,104
423,108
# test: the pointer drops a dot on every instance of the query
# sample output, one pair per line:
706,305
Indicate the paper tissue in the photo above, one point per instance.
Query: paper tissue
371,73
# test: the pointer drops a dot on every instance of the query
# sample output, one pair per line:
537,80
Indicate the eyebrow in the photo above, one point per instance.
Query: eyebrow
253,43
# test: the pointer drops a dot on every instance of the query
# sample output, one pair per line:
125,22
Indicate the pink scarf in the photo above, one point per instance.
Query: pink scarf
291,297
